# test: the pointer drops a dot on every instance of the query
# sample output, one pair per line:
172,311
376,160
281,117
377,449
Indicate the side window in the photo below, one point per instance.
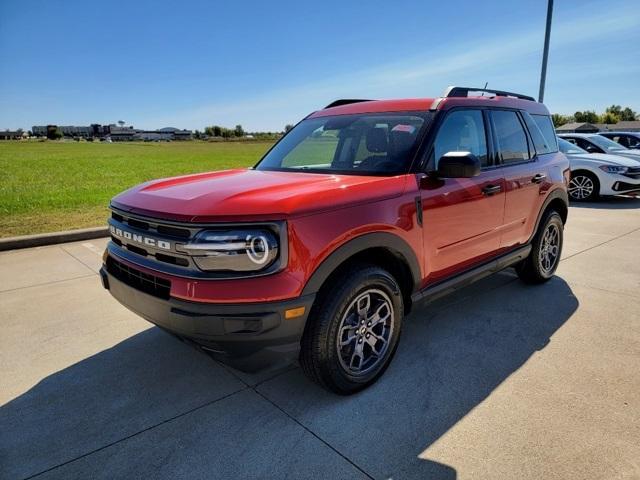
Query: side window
582,143
461,131
545,126
512,141
633,142
618,139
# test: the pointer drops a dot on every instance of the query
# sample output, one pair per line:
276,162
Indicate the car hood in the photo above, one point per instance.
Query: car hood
253,194
604,158
635,154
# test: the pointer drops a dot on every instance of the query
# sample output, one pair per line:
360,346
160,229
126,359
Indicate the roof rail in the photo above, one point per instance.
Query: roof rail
454,91
345,101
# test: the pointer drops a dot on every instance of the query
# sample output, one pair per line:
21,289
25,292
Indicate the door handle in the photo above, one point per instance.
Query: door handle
539,178
491,189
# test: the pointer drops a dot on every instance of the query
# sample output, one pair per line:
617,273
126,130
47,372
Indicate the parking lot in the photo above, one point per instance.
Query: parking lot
500,380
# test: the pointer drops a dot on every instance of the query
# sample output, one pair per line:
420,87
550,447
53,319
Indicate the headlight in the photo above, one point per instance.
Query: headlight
233,250
613,169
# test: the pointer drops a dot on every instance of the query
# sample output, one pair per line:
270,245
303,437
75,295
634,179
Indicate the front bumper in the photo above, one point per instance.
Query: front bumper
249,337
618,185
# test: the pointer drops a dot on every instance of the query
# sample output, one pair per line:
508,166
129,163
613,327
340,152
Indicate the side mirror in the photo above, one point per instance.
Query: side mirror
458,165
591,149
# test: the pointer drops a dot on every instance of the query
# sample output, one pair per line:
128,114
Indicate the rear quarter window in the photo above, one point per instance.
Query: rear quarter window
512,143
545,128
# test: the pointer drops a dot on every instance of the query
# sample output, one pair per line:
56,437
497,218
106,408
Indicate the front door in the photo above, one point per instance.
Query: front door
524,174
462,217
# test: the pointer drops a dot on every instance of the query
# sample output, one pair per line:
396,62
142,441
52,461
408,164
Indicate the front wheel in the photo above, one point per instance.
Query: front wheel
353,331
583,186
546,249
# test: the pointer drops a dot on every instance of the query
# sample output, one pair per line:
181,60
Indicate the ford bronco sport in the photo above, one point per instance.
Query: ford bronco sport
361,211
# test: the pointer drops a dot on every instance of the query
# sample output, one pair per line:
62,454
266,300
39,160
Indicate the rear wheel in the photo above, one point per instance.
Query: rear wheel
583,186
353,331
546,249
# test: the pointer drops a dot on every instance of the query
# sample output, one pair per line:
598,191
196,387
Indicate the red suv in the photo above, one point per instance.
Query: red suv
360,212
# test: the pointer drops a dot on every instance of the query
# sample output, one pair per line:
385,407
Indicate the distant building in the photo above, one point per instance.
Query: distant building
153,136
625,126
578,127
122,134
584,127
39,131
13,135
76,132
116,133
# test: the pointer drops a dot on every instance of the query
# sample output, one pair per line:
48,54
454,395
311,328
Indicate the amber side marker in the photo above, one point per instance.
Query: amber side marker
294,313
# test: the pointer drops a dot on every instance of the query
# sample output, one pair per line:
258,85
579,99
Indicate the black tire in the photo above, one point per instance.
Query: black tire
322,360
584,186
537,268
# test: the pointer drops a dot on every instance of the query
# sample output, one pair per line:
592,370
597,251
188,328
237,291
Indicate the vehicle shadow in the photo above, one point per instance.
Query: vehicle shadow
611,203
453,354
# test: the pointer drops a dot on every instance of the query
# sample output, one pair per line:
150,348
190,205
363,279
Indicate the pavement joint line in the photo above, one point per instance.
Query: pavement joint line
272,377
76,258
600,244
49,283
151,427
327,444
90,246
613,292
295,420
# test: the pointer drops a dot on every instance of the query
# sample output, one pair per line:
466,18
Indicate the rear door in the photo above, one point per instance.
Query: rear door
525,176
462,216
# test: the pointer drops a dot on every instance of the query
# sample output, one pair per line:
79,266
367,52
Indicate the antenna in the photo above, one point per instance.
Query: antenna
485,87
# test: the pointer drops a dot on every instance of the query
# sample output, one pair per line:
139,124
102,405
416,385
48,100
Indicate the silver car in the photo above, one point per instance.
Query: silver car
595,143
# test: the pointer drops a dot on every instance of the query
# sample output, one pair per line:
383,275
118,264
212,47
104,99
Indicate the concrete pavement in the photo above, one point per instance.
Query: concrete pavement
499,380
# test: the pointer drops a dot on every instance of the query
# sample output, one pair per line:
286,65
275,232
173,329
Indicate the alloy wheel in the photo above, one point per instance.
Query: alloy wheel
365,331
549,249
581,187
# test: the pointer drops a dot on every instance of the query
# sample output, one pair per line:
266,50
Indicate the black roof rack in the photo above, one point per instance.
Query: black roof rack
464,92
346,101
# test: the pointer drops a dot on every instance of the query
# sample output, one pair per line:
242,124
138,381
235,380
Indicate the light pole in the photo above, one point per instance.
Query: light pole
545,55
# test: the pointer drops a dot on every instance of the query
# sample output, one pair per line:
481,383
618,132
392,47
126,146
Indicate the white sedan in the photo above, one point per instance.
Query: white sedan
595,174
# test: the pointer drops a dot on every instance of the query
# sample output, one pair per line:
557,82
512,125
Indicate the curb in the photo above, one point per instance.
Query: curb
28,241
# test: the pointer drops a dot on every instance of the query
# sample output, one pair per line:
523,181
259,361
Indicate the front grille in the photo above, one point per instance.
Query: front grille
144,282
624,186
161,257
138,224
174,231
171,231
633,172
172,235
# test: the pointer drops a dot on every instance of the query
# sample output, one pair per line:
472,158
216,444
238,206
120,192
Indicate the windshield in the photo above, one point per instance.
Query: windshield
569,148
605,143
362,144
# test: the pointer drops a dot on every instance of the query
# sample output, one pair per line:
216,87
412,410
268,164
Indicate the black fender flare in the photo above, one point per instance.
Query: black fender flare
557,194
389,241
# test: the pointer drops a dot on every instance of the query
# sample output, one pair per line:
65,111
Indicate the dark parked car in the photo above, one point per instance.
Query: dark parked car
626,139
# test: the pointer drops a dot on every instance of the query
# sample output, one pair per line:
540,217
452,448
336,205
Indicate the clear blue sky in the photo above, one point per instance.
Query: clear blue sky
265,64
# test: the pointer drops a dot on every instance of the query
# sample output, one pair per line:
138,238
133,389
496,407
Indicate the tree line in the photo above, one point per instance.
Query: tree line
216,131
613,114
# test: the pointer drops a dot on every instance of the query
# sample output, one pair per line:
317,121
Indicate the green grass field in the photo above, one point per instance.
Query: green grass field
51,186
